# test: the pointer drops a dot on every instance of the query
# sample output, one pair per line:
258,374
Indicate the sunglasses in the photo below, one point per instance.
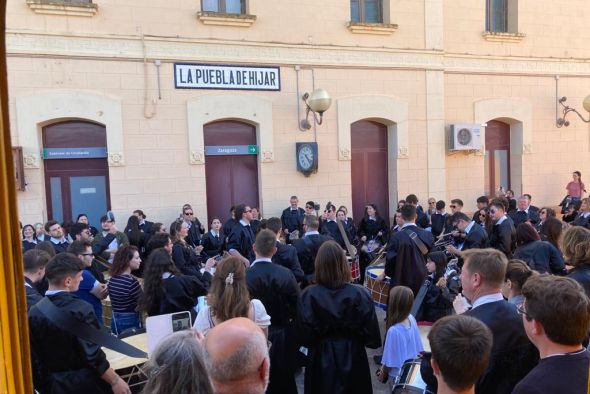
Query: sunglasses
188,214
453,206
482,215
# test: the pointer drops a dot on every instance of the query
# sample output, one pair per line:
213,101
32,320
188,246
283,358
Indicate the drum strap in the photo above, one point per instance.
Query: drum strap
68,323
414,237
351,249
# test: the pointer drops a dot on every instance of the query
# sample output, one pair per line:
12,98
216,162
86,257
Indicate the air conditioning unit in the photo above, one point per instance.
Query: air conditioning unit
465,137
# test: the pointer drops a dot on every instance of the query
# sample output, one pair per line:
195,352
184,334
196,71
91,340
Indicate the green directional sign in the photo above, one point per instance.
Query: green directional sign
253,149
231,150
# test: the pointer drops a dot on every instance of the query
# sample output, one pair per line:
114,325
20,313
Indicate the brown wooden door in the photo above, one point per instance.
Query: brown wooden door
369,168
230,180
497,157
75,186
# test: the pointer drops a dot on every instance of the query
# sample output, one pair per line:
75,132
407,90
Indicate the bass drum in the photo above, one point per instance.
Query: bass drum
410,381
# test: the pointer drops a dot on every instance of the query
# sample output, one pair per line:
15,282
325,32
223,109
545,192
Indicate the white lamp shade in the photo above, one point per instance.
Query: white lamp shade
586,103
319,101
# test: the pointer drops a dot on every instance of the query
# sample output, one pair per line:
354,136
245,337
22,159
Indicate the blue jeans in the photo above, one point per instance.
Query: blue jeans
124,320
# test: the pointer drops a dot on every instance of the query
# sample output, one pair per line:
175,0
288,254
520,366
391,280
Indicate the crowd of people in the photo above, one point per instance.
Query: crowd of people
505,290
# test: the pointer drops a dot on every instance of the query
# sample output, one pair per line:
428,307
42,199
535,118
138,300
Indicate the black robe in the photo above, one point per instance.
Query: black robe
276,288
307,249
212,246
286,256
502,237
188,263
370,228
60,359
336,325
405,264
178,294
241,239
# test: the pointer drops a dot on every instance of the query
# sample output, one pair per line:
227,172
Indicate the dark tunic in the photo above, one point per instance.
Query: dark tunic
519,217
194,232
370,228
405,264
28,245
330,228
477,238
33,296
188,263
276,288
581,274
241,239
438,302
292,219
502,237
438,223
558,374
179,294
212,245
307,249
60,357
336,325
542,257
286,256
513,355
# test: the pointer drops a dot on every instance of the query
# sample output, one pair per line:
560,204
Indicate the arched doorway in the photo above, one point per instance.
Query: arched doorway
76,170
497,157
231,167
369,168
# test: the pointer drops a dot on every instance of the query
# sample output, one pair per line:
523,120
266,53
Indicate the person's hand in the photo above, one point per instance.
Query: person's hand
286,231
120,387
198,249
113,230
210,263
459,304
453,249
442,282
364,238
104,291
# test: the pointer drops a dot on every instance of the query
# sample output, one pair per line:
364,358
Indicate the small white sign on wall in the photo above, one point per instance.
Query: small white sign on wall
213,76
87,190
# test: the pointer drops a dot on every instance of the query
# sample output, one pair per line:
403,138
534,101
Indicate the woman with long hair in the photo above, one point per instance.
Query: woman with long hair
229,297
29,237
165,289
441,291
544,214
517,273
124,289
575,245
402,341
134,234
177,366
185,257
551,231
541,256
336,321
575,188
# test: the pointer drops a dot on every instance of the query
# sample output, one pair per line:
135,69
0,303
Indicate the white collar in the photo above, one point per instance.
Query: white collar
408,224
501,219
244,223
57,241
469,227
167,275
315,232
372,218
487,299
215,233
261,260
52,292
28,285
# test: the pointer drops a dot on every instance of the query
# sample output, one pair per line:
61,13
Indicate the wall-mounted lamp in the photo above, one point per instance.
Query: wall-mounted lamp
317,102
567,109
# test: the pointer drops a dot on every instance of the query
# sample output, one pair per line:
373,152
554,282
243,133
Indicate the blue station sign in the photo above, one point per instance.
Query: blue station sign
231,150
74,153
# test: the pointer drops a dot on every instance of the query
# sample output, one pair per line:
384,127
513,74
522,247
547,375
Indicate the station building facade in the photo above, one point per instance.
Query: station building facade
124,105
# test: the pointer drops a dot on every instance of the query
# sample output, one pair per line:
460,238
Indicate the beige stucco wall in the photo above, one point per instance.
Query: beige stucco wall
435,70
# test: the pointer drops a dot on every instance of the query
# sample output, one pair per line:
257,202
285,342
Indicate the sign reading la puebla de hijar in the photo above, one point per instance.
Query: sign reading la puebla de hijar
214,76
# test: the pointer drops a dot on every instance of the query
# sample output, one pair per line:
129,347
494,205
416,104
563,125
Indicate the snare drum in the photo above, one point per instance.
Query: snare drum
379,289
410,381
355,269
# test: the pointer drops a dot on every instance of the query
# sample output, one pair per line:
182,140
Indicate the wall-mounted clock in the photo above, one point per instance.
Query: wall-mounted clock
307,157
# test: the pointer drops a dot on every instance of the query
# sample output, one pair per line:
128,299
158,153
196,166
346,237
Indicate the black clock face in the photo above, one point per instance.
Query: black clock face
464,136
305,157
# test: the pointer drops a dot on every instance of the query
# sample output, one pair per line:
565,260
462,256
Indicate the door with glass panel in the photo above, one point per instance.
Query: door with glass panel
497,157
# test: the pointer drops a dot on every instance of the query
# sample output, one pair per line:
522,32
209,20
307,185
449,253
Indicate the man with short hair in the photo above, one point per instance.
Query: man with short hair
108,227
530,202
57,236
470,234
286,255
502,234
461,347
34,262
310,208
236,356
62,362
406,252
482,203
195,228
523,213
82,232
292,218
513,356
276,287
90,289
329,226
241,237
307,247
438,219
421,218
556,318
456,205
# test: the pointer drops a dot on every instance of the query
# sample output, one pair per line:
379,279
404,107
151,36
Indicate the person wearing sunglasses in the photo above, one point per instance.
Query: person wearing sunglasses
195,228
482,203
556,318
503,232
241,237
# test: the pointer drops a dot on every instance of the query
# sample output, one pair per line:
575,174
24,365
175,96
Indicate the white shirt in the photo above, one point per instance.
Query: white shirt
408,224
52,292
264,259
501,219
487,299
315,232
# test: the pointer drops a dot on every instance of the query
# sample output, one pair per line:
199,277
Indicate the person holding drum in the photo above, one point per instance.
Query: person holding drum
403,340
442,289
373,232
336,320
